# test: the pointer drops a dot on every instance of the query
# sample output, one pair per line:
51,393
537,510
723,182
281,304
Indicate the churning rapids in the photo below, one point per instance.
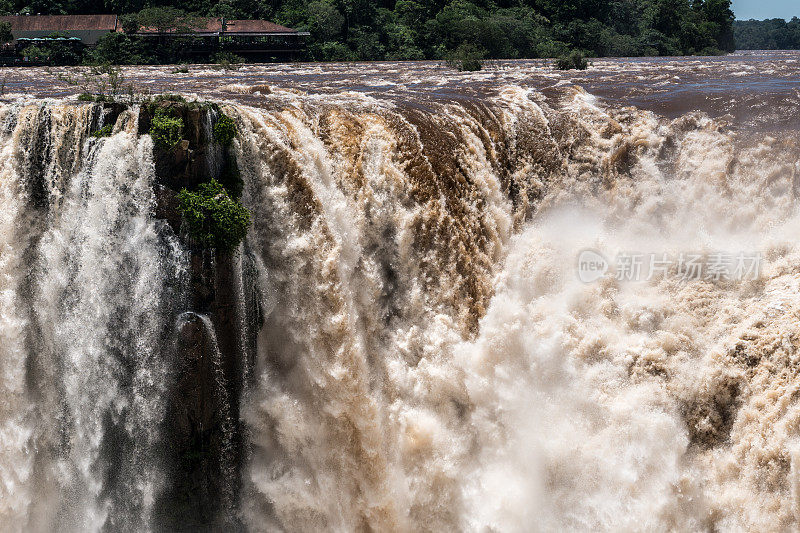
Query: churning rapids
416,351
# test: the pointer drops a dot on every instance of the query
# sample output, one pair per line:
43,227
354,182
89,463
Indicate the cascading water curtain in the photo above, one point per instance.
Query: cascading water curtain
92,280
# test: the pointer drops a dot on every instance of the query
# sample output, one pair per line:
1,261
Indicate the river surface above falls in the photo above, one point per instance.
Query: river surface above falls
757,90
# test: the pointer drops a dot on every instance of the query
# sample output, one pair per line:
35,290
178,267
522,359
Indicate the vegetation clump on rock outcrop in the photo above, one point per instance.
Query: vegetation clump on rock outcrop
165,130
212,217
575,60
105,131
198,198
224,130
466,58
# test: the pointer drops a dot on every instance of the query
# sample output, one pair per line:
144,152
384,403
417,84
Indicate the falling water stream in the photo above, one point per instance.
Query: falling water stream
417,350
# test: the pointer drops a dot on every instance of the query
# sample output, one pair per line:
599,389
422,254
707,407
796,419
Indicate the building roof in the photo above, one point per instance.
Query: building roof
54,23
21,24
49,39
255,26
216,26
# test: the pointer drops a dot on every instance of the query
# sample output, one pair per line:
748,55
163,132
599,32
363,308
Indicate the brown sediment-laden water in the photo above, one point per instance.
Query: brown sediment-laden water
411,336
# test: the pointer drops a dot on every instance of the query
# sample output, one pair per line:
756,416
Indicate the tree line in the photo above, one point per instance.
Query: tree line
771,34
443,29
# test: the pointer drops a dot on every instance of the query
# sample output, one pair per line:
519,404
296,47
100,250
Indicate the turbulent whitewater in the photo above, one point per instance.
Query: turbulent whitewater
418,352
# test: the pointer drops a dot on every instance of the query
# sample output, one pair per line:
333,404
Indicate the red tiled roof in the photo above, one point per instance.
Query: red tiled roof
255,26
61,22
201,25
214,25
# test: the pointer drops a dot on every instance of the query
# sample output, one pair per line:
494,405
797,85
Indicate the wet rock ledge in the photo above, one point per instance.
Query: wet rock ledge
214,344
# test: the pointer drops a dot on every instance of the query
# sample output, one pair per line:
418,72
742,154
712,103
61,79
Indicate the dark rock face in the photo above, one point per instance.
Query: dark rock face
167,206
196,442
195,158
203,444
111,112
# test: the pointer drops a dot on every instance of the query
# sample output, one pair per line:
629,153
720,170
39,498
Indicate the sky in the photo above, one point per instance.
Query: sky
766,9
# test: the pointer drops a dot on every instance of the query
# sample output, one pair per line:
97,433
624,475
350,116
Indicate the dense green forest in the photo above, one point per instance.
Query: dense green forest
772,34
441,29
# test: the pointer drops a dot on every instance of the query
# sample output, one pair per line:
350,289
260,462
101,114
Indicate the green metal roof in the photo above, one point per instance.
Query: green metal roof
49,39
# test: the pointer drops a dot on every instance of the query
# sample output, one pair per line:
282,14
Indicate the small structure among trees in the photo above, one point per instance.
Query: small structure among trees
154,35
88,28
253,40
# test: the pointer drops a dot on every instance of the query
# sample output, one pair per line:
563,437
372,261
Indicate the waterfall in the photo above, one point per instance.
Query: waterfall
226,466
95,276
16,428
432,362
403,341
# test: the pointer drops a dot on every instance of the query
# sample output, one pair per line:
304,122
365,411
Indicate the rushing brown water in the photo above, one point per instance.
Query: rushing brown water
756,89
429,358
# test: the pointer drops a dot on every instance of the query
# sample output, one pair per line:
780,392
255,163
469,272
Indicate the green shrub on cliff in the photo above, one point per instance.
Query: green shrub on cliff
224,130
105,131
165,130
212,217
